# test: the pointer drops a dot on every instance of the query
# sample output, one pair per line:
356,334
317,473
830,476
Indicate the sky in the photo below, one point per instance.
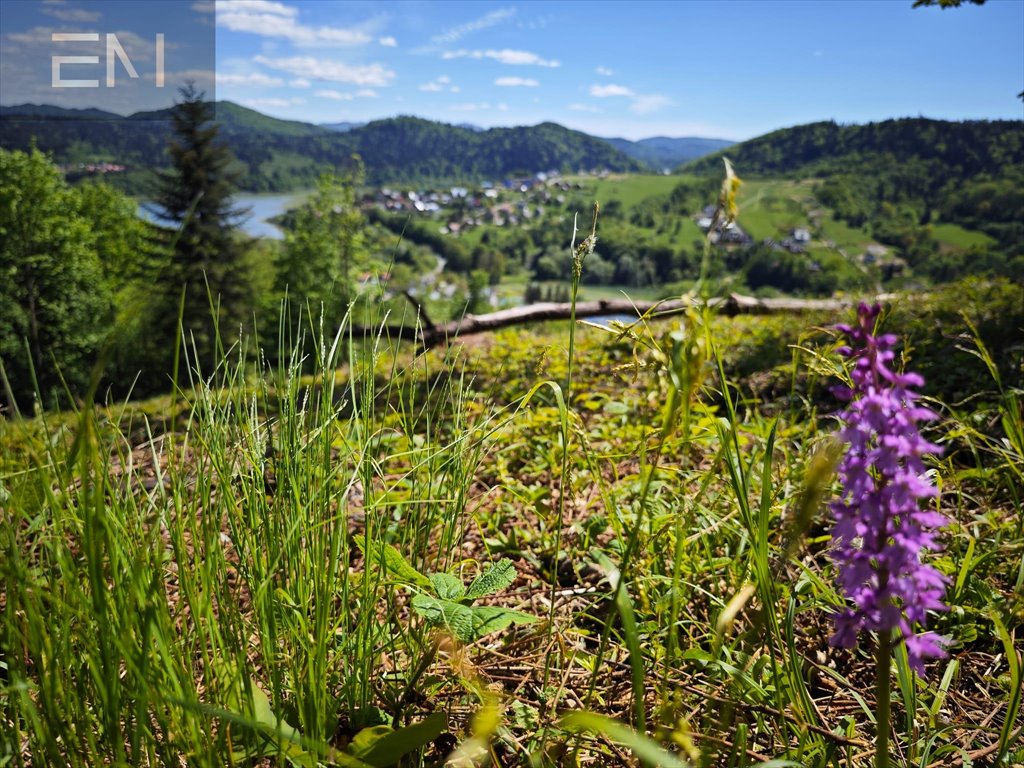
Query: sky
732,69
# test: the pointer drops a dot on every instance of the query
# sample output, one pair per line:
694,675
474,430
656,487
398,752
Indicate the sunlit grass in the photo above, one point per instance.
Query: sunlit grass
182,583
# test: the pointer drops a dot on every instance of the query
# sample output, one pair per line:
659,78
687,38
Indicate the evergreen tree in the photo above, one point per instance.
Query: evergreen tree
208,259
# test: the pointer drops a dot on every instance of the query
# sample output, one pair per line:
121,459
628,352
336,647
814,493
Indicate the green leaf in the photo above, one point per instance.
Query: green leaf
389,559
496,578
382,746
447,587
362,742
467,623
456,618
1013,704
645,748
488,619
285,739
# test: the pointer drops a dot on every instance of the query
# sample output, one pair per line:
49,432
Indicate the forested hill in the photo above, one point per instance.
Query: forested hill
661,152
960,149
279,155
900,179
424,149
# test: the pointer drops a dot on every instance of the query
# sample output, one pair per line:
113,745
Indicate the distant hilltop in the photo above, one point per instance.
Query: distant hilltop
278,155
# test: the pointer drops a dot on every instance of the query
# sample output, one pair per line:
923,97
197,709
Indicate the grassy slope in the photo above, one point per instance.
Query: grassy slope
251,580
628,189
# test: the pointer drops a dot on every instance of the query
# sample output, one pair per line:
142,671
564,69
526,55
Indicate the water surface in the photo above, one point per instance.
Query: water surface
261,208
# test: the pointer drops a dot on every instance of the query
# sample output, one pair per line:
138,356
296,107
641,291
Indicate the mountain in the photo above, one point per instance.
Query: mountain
425,149
902,180
237,119
49,112
661,152
342,127
278,155
958,149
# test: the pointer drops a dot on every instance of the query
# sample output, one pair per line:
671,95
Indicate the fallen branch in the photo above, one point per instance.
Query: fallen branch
735,304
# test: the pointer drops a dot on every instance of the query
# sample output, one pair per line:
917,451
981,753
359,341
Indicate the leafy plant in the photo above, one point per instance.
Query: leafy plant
444,601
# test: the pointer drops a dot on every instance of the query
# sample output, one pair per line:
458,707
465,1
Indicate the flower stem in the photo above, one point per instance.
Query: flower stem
883,694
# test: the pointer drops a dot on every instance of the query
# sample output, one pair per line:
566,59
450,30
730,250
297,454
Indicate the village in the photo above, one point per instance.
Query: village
508,203
522,200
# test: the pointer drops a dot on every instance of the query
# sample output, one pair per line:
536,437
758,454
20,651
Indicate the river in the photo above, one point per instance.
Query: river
261,208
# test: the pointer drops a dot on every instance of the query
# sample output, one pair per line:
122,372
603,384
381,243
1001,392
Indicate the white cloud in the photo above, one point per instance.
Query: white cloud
505,56
455,34
604,91
331,71
516,82
203,78
258,6
503,107
584,108
265,102
204,6
272,19
438,84
63,12
299,82
31,41
388,42
644,105
332,94
253,78
472,107
604,71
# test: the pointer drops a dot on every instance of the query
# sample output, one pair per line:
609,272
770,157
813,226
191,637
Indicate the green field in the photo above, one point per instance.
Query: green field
955,236
772,209
630,189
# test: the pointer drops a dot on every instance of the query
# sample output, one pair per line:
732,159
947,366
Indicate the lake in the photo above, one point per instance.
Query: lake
261,209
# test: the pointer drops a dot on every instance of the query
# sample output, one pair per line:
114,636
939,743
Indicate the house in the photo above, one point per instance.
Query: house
801,235
874,253
791,245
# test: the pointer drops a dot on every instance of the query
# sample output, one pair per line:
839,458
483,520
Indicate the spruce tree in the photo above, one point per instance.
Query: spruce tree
208,259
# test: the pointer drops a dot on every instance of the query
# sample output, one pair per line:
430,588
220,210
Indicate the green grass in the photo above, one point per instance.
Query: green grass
772,209
224,576
957,237
852,241
629,189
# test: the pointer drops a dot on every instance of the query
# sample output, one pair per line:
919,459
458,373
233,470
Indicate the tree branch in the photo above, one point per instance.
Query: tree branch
432,334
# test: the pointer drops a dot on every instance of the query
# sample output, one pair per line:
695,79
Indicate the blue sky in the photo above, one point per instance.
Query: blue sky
731,69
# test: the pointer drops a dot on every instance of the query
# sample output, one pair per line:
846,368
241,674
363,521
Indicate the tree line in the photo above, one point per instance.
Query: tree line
94,298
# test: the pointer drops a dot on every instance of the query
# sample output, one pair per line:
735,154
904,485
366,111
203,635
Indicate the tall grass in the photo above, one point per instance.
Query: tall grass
197,593
182,582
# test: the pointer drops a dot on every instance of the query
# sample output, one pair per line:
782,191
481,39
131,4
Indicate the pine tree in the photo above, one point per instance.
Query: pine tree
208,258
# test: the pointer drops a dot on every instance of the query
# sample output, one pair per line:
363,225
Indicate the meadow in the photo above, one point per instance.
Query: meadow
553,547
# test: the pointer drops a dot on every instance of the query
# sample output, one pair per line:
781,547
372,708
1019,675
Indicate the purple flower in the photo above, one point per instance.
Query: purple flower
880,528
